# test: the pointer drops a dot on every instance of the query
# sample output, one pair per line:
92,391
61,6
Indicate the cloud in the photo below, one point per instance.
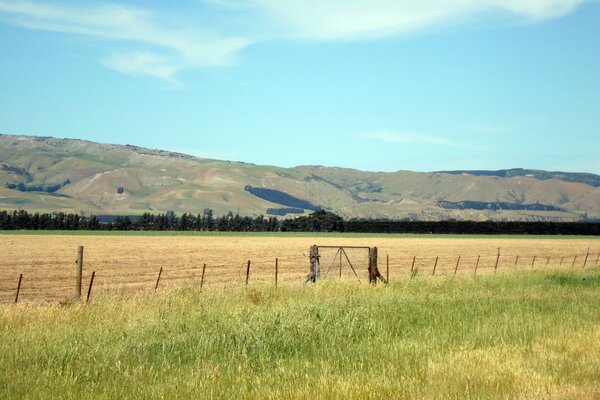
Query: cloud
173,49
161,50
409,137
356,19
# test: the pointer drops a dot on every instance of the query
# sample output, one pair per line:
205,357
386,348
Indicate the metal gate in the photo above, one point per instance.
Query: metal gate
337,262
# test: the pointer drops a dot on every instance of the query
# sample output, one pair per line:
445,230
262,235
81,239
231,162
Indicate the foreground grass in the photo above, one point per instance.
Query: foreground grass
527,335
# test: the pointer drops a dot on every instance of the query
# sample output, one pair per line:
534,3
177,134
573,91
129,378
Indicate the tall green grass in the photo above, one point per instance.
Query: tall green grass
526,335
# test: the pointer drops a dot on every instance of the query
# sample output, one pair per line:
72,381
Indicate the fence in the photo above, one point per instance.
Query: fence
84,279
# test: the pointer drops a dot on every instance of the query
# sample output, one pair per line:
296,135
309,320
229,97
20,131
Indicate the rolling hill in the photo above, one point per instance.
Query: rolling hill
50,174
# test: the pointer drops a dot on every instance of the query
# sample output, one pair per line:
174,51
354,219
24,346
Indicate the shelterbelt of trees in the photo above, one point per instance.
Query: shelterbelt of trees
320,221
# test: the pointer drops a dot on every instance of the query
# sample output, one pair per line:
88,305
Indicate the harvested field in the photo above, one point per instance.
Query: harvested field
125,264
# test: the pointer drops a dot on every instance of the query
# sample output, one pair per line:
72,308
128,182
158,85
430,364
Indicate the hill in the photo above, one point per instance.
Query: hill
48,174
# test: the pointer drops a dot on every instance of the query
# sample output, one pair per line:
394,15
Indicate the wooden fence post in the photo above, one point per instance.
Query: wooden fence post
90,288
561,260
533,262
574,259
202,277
373,269
79,274
477,264
516,261
597,257
412,268
435,265
456,268
497,260
315,269
547,261
158,278
18,288
248,273
586,258
276,269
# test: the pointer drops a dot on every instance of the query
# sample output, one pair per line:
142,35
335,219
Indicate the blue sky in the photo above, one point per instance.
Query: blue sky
370,84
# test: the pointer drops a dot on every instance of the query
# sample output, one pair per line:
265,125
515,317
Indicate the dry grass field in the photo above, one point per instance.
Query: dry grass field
517,334
126,264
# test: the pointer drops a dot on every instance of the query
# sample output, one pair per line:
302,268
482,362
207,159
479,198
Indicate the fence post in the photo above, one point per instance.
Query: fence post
79,275
497,260
547,261
18,288
315,272
412,268
561,260
597,257
435,265
202,277
574,259
158,278
477,264
248,273
586,258
90,288
516,261
373,270
456,268
276,269
533,262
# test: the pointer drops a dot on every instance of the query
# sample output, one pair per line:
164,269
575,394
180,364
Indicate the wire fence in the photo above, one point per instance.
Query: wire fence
52,281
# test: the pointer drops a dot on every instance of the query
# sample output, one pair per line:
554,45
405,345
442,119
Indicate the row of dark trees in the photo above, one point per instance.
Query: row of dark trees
320,221
22,187
168,221
474,227
56,221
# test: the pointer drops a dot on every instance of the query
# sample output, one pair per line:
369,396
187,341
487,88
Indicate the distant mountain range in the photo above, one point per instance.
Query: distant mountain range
49,174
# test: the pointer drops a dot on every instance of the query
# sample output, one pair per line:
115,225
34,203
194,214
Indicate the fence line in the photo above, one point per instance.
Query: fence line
276,270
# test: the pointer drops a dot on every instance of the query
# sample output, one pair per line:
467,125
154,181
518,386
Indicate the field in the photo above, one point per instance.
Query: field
130,263
529,331
515,335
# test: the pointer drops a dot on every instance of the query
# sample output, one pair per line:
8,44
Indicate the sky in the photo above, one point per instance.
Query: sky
378,85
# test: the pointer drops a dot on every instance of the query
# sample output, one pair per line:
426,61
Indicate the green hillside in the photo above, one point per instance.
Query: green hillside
48,174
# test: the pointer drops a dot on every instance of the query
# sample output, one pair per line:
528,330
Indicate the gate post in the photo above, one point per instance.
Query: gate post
315,268
373,269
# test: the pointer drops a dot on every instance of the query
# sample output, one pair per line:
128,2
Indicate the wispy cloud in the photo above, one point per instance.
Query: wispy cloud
165,50
409,137
161,50
347,20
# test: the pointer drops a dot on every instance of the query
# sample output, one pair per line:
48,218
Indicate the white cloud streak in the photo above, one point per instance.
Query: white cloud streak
173,49
162,51
411,138
356,19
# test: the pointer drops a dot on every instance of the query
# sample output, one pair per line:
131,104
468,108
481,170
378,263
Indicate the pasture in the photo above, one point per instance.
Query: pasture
130,263
531,330
514,335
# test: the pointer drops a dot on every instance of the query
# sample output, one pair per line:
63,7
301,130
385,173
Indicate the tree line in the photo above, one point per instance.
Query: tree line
22,187
169,221
320,221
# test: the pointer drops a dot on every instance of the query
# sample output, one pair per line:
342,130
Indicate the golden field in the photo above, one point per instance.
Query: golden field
131,263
